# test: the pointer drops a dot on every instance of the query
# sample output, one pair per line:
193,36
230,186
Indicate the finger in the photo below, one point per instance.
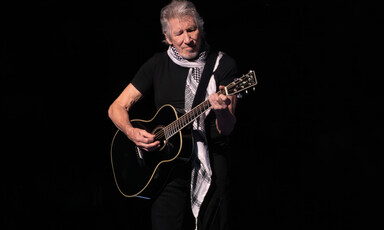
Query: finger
225,99
146,140
146,134
147,137
221,102
213,99
141,137
151,146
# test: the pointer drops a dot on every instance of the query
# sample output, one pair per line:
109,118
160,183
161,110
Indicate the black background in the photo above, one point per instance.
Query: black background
308,140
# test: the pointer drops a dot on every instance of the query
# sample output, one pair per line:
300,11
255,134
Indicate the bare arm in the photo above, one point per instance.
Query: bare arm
224,107
119,114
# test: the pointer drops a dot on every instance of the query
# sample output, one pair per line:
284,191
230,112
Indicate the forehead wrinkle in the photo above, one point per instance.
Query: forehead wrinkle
181,23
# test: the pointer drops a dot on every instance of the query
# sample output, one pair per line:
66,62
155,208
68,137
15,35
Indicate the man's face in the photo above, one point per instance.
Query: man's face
184,36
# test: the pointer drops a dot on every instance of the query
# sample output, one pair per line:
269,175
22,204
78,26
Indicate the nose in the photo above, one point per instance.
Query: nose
187,38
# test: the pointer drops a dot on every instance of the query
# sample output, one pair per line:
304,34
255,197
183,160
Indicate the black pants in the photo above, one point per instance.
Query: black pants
171,210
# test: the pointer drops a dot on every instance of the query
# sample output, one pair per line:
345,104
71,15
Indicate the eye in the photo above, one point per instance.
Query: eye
192,29
178,33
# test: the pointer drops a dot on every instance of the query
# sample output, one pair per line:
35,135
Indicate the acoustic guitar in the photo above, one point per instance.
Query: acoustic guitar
142,174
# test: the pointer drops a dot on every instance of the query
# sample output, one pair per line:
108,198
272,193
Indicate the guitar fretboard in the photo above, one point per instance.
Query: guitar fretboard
237,86
186,119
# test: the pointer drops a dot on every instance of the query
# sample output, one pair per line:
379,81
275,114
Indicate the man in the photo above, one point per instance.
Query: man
198,189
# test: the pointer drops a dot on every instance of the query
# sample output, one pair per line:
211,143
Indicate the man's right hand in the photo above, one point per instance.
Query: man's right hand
143,139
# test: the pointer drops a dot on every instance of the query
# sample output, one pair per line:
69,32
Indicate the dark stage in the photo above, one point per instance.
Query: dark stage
308,140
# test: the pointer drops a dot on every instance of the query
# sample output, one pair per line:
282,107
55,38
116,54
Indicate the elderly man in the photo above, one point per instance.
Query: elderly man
198,188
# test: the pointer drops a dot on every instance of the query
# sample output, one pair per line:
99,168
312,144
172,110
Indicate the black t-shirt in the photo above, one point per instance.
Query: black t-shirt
168,79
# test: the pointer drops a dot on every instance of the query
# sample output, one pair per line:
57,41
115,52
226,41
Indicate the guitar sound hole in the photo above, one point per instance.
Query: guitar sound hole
160,136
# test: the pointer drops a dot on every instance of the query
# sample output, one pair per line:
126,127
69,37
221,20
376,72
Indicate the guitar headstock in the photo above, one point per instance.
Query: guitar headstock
240,84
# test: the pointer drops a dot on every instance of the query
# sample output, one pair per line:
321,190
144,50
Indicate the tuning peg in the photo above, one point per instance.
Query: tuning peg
253,88
239,96
246,91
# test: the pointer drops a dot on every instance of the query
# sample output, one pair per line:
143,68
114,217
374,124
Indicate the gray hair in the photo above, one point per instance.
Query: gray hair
178,9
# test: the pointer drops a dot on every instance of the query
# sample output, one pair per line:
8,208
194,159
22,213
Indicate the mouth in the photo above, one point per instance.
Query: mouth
189,48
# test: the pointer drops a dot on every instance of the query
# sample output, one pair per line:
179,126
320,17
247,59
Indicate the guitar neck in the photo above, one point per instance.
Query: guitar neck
186,119
237,86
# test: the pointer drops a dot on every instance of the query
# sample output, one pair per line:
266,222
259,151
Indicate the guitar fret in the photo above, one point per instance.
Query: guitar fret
186,119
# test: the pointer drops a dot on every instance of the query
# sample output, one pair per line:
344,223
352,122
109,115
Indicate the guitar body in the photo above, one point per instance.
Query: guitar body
143,174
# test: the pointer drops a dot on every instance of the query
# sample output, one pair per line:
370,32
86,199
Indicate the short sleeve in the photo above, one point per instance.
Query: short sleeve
143,80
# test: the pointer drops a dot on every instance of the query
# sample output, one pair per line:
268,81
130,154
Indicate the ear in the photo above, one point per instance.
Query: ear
167,38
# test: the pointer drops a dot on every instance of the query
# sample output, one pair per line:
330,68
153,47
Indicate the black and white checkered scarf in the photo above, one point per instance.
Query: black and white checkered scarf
201,168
